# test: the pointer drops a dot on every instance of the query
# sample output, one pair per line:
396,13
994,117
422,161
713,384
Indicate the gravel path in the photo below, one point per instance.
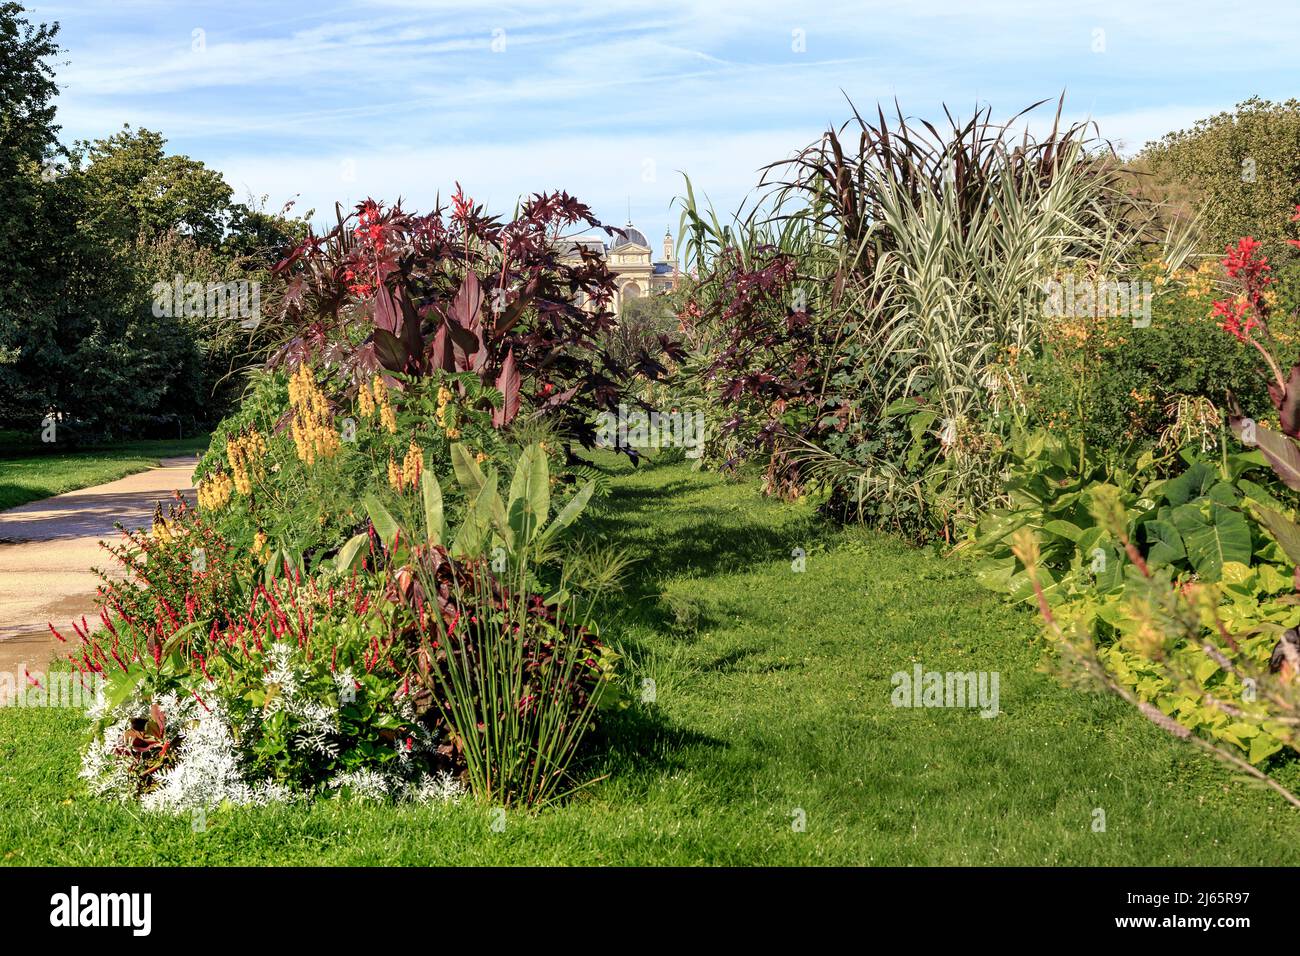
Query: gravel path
48,547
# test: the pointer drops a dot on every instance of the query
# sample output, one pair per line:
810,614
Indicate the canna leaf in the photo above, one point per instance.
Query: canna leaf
1281,451
431,496
530,493
385,524
468,474
349,554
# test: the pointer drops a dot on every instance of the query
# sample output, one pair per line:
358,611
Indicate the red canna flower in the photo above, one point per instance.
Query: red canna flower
461,205
1232,314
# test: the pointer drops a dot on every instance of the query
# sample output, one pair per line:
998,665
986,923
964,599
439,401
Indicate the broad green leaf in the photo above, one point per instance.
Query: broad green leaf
431,495
351,552
569,513
385,524
530,493
1280,451
1259,493
1239,578
1225,536
1242,461
468,474
1286,531
174,641
995,573
492,510
1224,493
1263,746
272,567
1066,529
1205,670
1165,541
1193,483
472,535
121,688
1273,581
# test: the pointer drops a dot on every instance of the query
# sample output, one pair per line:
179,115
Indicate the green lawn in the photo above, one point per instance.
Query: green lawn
29,472
776,697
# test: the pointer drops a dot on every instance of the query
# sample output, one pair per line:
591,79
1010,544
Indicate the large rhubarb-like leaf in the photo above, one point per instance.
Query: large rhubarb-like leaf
1223,537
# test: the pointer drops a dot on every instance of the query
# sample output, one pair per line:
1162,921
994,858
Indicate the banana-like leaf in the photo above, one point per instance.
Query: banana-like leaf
530,494
351,552
569,513
272,567
431,495
468,474
385,524
476,527
1280,451
493,510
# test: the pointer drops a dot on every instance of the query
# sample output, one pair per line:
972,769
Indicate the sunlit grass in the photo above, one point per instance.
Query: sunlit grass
771,695
29,473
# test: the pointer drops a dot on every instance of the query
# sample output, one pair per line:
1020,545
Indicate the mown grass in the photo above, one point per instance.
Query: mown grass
772,695
30,472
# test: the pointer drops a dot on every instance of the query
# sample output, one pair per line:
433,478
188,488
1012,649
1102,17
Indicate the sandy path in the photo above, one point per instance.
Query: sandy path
48,547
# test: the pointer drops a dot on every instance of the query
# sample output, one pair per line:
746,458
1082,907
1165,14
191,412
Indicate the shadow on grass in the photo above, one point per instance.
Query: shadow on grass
696,541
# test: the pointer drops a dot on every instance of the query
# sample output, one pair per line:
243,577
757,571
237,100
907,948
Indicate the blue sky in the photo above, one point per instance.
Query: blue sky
612,100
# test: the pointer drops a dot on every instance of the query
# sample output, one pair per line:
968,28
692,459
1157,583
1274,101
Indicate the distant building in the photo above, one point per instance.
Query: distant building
629,258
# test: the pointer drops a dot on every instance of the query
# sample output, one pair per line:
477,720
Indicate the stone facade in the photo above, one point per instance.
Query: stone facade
631,260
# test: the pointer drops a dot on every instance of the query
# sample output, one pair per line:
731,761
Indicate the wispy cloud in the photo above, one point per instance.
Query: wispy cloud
390,97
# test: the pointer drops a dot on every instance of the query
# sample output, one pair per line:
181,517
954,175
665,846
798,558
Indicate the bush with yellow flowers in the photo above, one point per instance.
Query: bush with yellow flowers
1110,381
312,425
288,472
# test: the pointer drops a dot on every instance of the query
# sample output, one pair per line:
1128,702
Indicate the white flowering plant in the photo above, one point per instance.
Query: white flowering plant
308,687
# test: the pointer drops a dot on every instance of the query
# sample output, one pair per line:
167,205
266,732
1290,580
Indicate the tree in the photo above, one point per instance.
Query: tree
132,188
81,251
1241,169
33,230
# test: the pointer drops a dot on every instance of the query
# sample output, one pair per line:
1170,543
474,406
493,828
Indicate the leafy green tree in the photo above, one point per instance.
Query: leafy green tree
81,249
34,229
132,188
1241,169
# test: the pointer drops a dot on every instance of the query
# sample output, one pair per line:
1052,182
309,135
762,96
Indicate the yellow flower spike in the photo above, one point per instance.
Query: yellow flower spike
365,400
394,475
411,465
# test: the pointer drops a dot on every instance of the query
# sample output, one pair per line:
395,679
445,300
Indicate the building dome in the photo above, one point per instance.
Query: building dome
634,237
